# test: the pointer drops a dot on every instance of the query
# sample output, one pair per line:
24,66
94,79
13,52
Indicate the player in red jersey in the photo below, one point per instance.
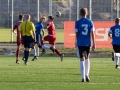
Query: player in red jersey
16,30
51,37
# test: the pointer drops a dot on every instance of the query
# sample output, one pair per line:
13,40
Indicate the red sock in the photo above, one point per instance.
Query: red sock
17,53
58,53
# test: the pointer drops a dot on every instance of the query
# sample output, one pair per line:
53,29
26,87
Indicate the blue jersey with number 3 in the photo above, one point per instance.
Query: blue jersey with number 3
84,27
115,30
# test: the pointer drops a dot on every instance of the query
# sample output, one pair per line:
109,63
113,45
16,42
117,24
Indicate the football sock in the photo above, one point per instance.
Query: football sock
17,53
116,60
58,53
45,47
117,54
82,69
34,51
27,55
87,67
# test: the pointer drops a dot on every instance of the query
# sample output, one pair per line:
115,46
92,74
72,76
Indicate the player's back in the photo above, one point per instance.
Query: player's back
84,27
16,26
115,34
38,27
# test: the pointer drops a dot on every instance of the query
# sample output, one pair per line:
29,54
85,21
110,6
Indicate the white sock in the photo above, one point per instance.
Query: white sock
116,60
45,47
117,54
34,51
82,69
87,67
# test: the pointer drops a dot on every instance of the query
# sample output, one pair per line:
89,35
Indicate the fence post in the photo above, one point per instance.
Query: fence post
38,18
70,12
90,9
117,8
12,22
50,7
8,12
78,3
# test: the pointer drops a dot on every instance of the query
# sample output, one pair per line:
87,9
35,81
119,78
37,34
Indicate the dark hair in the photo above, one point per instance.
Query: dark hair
117,20
83,11
51,18
21,16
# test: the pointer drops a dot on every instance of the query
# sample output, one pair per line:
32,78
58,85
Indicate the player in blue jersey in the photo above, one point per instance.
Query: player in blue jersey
84,30
114,34
39,28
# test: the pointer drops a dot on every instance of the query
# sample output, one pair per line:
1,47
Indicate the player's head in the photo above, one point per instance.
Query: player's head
117,21
50,18
27,17
21,16
83,12
43,19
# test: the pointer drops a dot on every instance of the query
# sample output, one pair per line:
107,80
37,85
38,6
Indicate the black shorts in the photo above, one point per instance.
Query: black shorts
28,41
39,39
84,51
116,48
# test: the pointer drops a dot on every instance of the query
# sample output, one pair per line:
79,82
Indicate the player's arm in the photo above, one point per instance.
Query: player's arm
43,33
19,32
76,33
33,30
110,33
14,29
93,36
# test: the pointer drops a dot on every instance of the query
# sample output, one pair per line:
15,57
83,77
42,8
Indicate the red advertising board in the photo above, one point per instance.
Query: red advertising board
101,34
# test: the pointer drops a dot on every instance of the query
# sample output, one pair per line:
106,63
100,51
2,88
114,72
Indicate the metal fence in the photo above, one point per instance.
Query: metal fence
99,10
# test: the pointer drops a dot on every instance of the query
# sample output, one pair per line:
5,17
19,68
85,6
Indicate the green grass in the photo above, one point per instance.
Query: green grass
48,73
5,35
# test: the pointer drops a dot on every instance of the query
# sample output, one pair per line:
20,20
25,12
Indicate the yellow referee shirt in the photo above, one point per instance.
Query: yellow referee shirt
27,28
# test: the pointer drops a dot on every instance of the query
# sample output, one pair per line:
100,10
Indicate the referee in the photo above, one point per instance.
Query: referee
27,30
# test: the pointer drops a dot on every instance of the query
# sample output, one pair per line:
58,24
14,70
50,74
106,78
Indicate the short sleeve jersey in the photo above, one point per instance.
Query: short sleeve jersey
51,29
84,27
38,26
115,30
16,26
27,28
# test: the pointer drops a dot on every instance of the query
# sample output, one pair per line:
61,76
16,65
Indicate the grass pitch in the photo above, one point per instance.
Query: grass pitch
48,73
5,35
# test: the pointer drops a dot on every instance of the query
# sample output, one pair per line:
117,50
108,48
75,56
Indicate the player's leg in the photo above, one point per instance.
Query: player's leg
46,38
18,51
17,54
34,53
53,42
87,63
116,49
82,63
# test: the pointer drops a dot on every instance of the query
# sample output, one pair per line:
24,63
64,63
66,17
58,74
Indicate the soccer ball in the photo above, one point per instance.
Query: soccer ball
58,14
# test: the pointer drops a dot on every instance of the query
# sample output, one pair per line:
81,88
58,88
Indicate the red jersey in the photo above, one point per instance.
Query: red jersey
16,27
51,29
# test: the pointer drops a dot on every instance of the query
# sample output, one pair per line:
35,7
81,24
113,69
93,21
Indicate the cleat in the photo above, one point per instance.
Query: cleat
61,57
87,79
53,50
83,80
23,59
43,53
26,63
117,67
35,58
17,62
113,56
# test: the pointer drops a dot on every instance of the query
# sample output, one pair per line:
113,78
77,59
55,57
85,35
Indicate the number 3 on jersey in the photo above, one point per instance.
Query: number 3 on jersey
85,31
